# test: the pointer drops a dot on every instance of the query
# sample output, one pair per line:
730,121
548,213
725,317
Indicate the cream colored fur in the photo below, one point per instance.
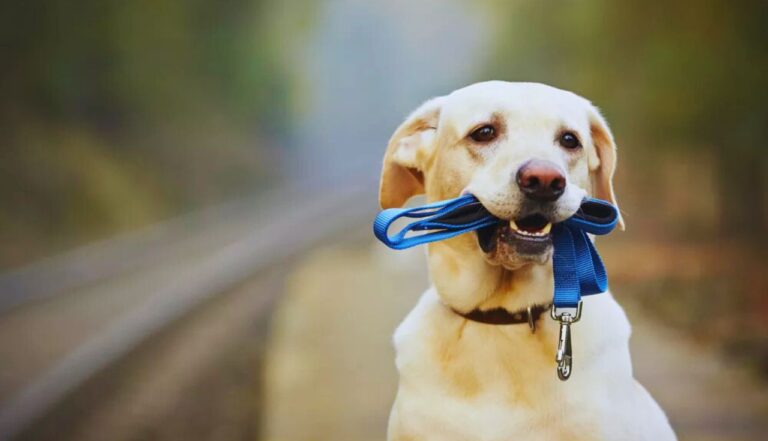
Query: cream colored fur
462,380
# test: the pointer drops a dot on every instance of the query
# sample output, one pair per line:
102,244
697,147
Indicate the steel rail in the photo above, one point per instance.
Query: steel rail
288,228
131,251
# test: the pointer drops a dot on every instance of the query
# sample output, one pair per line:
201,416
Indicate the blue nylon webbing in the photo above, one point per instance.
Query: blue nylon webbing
578,269
434,219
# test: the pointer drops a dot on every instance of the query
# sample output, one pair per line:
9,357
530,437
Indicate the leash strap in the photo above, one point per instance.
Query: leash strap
443,220
577,266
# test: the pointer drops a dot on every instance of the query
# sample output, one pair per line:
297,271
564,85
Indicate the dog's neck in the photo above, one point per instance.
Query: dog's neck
465,281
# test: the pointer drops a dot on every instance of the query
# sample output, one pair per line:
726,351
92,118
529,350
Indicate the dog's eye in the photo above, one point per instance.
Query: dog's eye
569,141
486,133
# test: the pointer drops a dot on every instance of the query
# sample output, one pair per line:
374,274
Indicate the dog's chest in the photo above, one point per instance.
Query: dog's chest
496,416
480,382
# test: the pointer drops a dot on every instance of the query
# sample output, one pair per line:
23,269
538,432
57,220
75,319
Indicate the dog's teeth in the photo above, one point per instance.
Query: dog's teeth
543,232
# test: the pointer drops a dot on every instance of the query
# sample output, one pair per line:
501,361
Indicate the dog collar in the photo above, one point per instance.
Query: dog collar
500,316
577,267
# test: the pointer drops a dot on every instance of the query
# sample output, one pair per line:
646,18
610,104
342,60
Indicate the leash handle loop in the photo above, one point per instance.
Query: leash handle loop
577,266
445,219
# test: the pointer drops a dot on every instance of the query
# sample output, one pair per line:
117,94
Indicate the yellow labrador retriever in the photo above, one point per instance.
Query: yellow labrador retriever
529,153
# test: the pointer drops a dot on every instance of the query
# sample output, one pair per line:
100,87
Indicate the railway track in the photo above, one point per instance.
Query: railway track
66,321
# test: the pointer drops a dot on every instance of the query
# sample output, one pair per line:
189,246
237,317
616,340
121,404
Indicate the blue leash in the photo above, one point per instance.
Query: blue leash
577,267
445,219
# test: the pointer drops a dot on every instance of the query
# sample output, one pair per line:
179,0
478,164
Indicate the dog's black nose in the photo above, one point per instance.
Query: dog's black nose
541,180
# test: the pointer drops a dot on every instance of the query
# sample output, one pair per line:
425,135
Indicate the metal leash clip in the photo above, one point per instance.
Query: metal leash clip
564,356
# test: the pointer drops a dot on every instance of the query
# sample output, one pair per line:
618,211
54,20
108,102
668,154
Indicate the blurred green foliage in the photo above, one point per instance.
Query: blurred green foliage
118,114
681,80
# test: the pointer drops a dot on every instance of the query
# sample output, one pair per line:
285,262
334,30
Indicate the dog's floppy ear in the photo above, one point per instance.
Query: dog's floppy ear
602,164
402,175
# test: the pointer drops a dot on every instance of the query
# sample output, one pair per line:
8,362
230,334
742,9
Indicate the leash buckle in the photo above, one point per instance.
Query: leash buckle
564,355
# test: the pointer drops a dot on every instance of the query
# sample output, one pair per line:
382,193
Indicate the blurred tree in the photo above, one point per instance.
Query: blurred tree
686,75
117,114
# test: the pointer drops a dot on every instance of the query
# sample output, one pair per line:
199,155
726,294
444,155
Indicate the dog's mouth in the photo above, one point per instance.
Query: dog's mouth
526,236
535,225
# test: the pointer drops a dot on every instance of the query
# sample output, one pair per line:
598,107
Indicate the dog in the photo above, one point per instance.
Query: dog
530,153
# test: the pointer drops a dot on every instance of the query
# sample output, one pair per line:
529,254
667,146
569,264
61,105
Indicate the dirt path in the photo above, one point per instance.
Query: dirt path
330,373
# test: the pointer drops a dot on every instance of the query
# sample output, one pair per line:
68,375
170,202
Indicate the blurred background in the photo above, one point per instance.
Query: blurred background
186,189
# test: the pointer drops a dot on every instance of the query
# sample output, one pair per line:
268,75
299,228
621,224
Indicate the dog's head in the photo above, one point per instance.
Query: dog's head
529,152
